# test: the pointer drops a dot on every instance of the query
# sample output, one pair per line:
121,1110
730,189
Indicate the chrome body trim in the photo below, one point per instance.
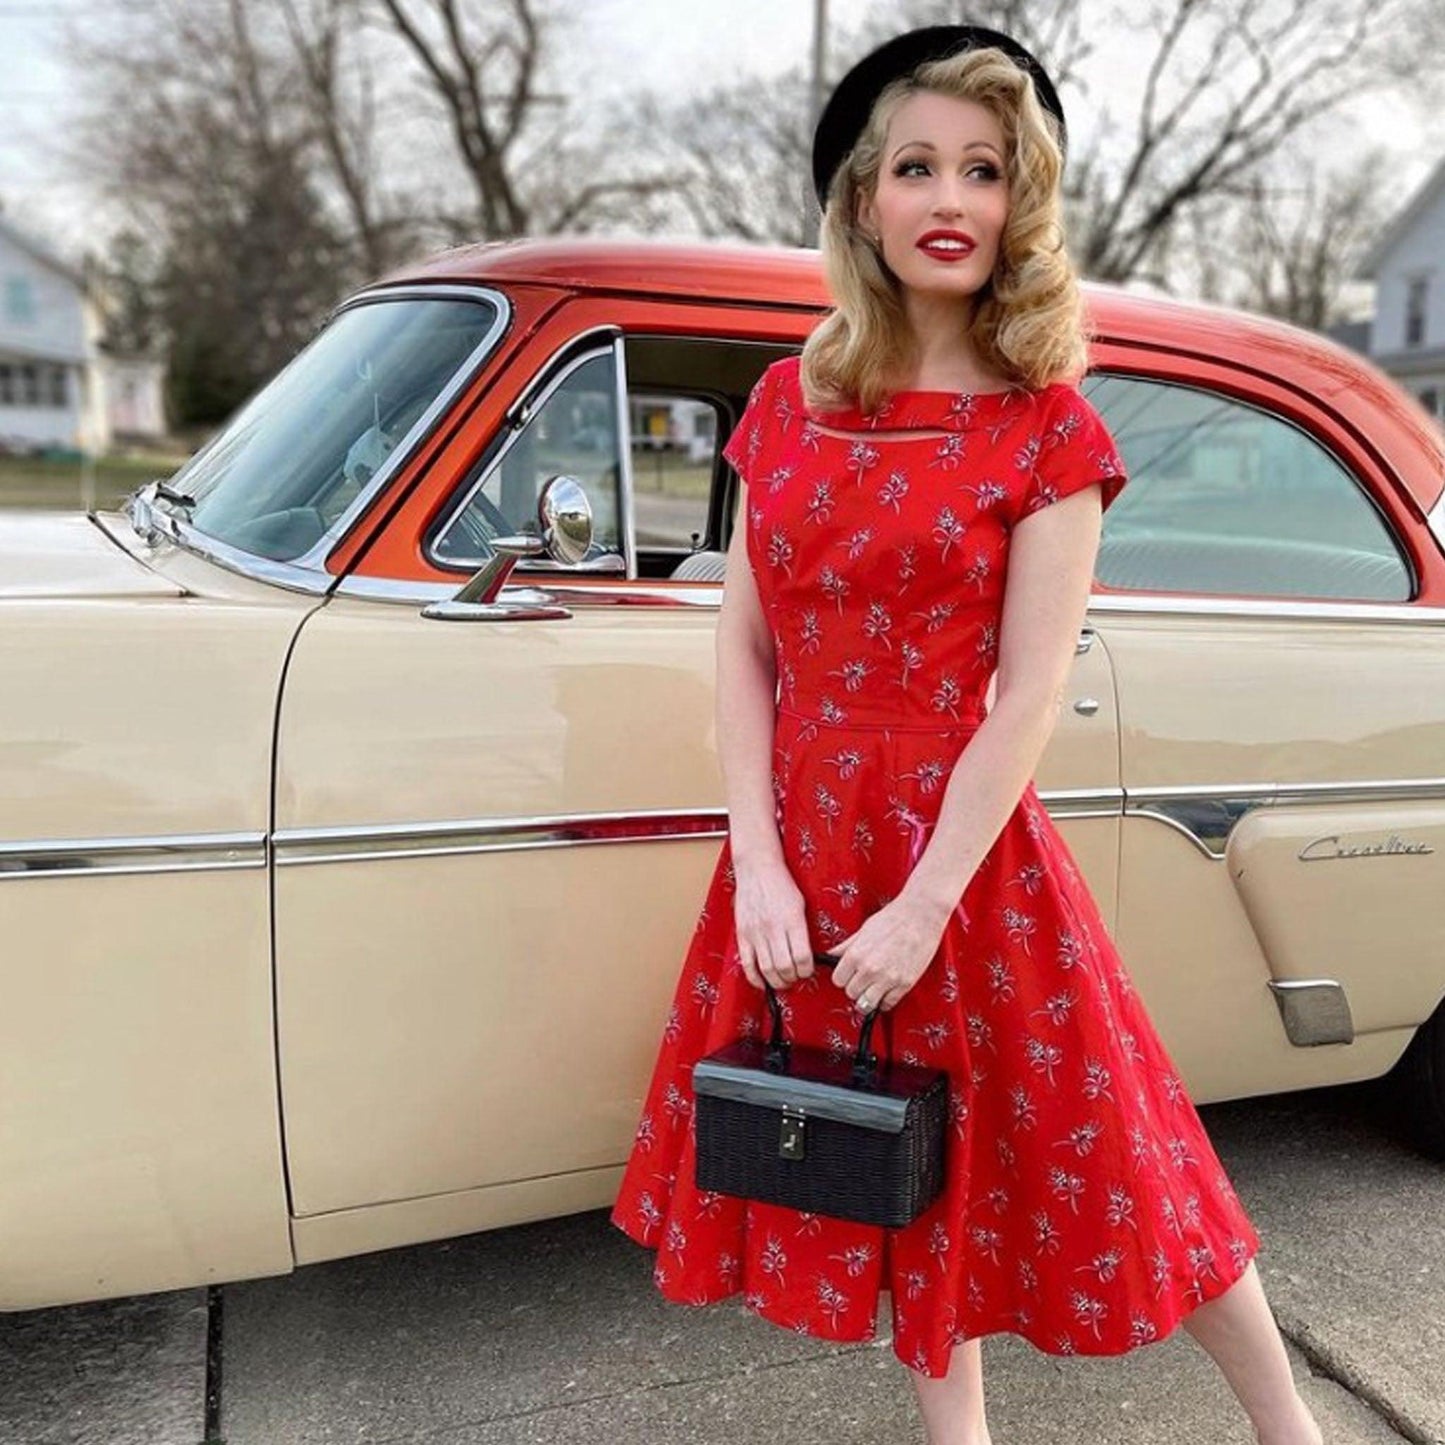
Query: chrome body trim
92,857
1194,811
1314,1011
290,846
491,835
659,593
1206,814
662,592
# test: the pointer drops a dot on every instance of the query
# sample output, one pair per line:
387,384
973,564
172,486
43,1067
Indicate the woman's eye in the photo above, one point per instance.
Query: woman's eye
990,172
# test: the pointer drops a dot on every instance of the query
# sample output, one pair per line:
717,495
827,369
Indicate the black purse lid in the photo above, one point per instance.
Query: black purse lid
816,1083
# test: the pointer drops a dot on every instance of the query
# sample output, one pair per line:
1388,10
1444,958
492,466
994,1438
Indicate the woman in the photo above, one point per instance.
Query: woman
922,514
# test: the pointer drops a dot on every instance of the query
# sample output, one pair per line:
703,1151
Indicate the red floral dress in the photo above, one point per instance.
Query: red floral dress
1084,1207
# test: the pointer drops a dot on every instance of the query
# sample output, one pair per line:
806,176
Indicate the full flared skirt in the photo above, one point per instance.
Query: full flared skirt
1084,1207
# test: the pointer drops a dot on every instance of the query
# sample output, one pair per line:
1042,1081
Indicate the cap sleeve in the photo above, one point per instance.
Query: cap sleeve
745,444
1075,451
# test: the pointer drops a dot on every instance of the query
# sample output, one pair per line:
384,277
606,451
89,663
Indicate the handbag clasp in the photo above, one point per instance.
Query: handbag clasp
790,1133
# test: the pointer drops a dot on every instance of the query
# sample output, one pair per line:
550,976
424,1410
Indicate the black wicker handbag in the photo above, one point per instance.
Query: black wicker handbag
788,1124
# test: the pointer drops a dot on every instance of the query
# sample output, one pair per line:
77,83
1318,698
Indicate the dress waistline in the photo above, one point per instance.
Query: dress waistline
970,715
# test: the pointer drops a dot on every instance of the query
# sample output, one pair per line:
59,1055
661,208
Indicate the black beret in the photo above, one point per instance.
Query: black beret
851,102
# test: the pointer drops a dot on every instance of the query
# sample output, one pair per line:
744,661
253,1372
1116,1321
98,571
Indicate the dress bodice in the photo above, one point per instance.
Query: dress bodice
880,558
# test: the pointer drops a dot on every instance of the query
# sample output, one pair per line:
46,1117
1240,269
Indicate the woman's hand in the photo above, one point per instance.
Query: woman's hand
879,963
772,927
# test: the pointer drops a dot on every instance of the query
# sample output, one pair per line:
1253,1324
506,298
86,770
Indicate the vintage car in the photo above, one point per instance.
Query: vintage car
361,783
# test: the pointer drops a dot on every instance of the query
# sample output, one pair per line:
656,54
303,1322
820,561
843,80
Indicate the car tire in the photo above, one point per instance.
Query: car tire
1420,1075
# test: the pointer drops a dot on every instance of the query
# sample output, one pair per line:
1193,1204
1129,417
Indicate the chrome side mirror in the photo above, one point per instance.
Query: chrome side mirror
564,519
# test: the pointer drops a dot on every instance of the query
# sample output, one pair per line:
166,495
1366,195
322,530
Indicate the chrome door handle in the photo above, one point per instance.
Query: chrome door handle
1086,705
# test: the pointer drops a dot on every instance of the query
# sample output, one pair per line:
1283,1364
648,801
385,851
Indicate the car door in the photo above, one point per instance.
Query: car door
1281,709
493,838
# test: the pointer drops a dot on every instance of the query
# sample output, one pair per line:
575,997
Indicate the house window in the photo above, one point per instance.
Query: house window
1415,310
59,391
29,384
7,384
1430,400
19,300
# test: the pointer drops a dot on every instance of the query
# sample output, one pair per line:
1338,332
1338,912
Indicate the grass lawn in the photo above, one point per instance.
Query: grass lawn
670,475
37,482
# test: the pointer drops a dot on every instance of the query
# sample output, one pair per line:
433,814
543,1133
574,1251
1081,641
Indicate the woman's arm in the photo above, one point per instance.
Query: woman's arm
746,707
771,924
1052,552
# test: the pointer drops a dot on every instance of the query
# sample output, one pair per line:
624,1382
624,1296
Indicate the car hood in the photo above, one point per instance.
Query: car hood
69,554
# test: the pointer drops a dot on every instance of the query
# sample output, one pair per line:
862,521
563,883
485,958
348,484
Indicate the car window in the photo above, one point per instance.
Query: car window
674,455
1225,498
343,413
573,430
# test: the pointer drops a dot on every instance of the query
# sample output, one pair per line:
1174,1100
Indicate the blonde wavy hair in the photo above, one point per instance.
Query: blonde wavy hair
1028,321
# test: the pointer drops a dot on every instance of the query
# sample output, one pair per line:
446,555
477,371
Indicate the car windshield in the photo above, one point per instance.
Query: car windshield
295,457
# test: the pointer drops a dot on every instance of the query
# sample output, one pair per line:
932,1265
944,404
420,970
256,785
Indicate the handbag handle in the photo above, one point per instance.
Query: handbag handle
865,1064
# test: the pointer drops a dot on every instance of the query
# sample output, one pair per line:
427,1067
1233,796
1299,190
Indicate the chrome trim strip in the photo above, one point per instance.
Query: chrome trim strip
490,835
1435,521
291,846
1206,814
662,592
1283,607
503,835
93,857
624,447
308,573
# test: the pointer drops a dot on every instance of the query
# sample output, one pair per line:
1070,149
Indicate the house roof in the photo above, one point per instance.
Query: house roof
39,251
1427,196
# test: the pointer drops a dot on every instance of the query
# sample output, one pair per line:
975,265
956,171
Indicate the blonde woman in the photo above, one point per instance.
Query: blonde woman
924,489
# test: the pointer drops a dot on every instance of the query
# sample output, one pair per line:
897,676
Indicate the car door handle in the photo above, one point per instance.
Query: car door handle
1086,705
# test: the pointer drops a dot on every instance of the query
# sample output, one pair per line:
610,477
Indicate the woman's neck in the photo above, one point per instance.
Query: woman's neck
942,357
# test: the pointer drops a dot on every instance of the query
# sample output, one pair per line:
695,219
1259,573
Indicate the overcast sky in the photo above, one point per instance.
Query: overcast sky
612,45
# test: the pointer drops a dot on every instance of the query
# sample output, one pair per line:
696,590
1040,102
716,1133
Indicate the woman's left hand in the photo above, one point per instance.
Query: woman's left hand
879,963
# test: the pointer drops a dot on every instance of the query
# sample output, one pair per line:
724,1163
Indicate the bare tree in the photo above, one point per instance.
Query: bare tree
337,88
1298,252
1229,83
483,64
1227,87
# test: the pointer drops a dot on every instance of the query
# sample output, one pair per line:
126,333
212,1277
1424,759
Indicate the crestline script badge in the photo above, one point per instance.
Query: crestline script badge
1322,850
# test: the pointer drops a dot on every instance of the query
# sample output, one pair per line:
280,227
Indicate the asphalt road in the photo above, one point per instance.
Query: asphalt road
553,1332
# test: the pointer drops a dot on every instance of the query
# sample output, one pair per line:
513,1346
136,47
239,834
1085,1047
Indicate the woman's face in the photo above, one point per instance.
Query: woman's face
942,195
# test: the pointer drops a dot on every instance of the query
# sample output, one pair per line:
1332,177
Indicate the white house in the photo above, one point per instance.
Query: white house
57,387
48,395
1407,264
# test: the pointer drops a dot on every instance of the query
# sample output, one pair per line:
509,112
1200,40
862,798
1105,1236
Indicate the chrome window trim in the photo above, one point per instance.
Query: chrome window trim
1435,521
426,424
659,592
307,573
607,338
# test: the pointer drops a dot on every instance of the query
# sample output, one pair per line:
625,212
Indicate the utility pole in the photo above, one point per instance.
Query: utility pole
815,109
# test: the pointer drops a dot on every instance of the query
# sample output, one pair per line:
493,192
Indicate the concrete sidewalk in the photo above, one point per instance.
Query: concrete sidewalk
554,1333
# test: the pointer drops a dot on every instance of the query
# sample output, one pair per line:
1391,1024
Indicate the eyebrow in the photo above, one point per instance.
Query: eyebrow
928,145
